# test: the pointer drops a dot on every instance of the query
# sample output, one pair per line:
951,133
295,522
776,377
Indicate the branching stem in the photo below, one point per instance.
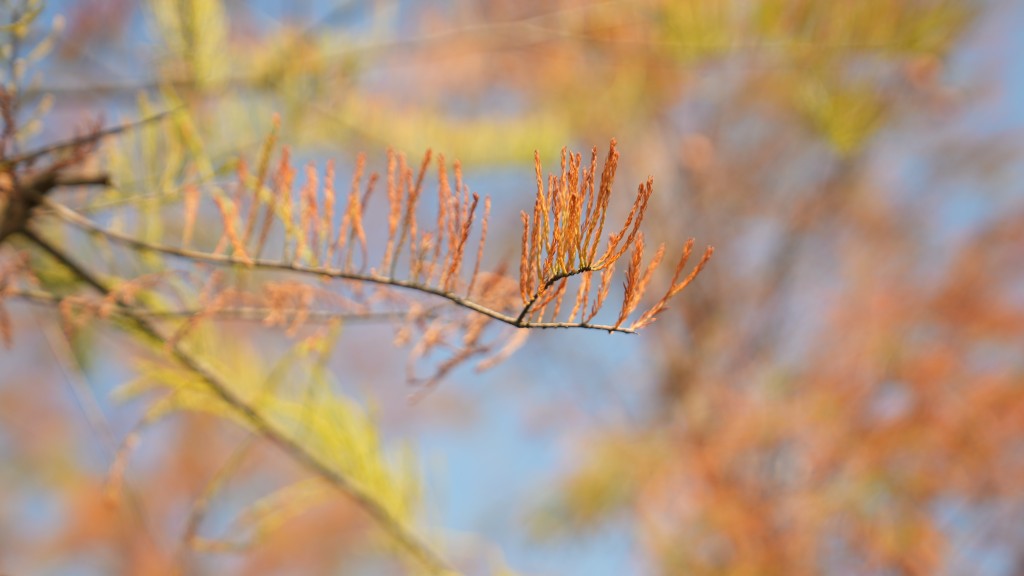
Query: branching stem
261,264
544,288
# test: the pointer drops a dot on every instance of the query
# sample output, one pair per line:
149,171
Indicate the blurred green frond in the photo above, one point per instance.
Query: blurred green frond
274,510
602,487
336,430
195,34
25,17
485,139
698,29
820,27
814,50
845,118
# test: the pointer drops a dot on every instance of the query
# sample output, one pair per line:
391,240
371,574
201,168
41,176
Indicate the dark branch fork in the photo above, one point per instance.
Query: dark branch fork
26,190
520,319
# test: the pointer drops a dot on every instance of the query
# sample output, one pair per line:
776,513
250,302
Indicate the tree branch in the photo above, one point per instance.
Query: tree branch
20,201
395,528
197,256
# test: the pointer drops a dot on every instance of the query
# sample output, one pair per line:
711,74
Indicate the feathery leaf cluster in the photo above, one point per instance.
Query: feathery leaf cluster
561,239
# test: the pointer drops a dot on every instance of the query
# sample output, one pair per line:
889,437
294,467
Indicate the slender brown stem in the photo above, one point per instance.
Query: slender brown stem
86,139
242,313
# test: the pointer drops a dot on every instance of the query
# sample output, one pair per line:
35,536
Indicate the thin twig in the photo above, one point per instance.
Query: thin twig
242,313
74,375
201,506
85,139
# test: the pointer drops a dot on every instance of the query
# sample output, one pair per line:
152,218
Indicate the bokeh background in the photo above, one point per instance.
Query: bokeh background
840,392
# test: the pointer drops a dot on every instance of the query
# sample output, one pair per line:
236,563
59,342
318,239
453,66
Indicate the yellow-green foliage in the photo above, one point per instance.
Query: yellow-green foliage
301,69
333,428
484,139
830,28
806,47
22,28
844,115
698,29
810,51
147,164
601,487
274,510
26,16
154,165
818,28
195,34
